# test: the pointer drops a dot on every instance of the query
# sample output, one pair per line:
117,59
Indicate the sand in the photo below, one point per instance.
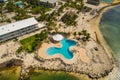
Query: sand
95,27
92,26
97,61
81,53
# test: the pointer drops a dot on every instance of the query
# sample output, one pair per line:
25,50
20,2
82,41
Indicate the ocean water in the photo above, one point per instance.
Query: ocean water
51,75
110,28
64,50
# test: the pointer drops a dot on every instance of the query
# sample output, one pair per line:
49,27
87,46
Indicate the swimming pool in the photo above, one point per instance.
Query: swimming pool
64,50
20,4
108,1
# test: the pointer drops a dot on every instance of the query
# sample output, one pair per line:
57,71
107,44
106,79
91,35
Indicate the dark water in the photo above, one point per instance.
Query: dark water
50,75
12,73
110,27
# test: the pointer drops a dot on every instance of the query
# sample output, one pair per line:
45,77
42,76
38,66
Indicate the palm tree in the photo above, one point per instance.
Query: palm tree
86,36
79,33
1,9
84,32
75,33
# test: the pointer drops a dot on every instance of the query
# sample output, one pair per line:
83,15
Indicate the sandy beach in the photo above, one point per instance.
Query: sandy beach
95,23
86,58
95,28
87,55
81,53
94,59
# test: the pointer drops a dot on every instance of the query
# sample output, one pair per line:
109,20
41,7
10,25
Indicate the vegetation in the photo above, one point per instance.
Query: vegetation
31,43
69,19
33,2
39,9
1,7
10,6
77,4
74,33
44,17
83,35
86,9
86,35
29,7
21,14
8,20
60,10
47,17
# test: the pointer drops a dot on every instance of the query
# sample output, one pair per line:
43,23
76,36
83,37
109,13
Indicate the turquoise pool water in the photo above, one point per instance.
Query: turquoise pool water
108,1
64,50
20,4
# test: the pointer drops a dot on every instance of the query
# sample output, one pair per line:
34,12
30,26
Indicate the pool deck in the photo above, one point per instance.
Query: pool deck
86,59
77,53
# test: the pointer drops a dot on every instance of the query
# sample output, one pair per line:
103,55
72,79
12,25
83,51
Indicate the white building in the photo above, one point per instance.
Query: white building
3,0
18,28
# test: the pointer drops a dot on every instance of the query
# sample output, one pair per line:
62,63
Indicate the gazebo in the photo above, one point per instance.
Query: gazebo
57,37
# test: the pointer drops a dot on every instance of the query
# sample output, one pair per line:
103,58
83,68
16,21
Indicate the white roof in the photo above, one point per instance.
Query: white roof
50,1
17,25
58,37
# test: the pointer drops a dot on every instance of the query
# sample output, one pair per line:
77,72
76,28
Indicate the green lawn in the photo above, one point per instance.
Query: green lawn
12,73
39,9
51,75
27,43
30,44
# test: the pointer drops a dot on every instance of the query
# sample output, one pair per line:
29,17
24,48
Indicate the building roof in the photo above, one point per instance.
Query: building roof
50,1
93,2
17,25
58,37
3,0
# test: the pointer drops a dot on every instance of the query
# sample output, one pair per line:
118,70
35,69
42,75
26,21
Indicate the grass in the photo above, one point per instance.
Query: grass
27,43
51,75
12,73
31,43
39,9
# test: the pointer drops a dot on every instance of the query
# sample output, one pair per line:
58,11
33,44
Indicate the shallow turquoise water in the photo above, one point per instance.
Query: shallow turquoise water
110,27
64,50
20,4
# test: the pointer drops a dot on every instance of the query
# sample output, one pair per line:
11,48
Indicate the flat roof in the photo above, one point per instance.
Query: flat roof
50,1
17,25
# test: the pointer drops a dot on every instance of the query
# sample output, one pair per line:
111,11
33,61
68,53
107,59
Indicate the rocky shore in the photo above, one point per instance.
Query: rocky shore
10,63
100,65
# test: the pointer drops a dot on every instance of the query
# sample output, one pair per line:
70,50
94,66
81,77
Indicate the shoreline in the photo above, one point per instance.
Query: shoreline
99,36
103,43
100,39
95,23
